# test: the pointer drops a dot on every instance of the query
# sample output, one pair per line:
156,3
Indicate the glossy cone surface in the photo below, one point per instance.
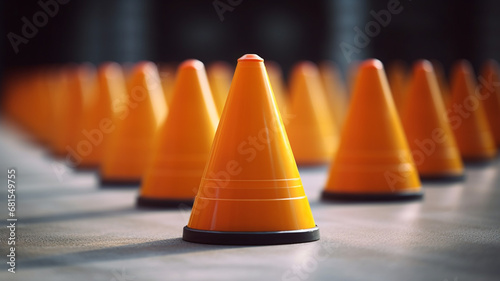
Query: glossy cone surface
427,128
312,131
489,83
137,115
468,118
373,160
183,143
251,191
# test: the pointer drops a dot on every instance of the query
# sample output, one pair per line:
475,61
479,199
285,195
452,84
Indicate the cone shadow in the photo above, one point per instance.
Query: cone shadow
82,215
171,246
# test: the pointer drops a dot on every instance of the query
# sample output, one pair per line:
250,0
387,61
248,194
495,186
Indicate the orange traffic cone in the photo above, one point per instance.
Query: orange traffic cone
67,110
183,143
18,95
251,192
219,76
468,118
278,86
96,124
84,139
312,131
489,85
442,82
373,161
137,115
9,102
398,80
428,130
112,92
41,114
167,77
335,91
352,72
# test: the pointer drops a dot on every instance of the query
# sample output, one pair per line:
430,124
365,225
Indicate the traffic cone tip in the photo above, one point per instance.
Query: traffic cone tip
250,57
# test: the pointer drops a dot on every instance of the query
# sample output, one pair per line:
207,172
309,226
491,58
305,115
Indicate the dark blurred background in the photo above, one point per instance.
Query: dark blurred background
283,31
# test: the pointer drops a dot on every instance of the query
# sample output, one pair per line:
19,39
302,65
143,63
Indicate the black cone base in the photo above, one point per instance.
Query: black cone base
442,178
250,238
143,202
120,183
371,197
478,161
88,167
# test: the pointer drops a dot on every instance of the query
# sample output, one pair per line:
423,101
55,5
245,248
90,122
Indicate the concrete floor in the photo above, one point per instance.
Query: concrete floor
70,229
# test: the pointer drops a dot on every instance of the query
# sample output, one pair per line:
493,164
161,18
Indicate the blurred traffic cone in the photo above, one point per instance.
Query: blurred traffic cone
26,103
428,130
67,109
490,96
167,77
56,81
219,77
352,72
277,84
398,81
442,82
183,143
9,98
41,100
96,123
137,115
18,104
84,140
251,192
468,118
373,161
335,91
312,131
